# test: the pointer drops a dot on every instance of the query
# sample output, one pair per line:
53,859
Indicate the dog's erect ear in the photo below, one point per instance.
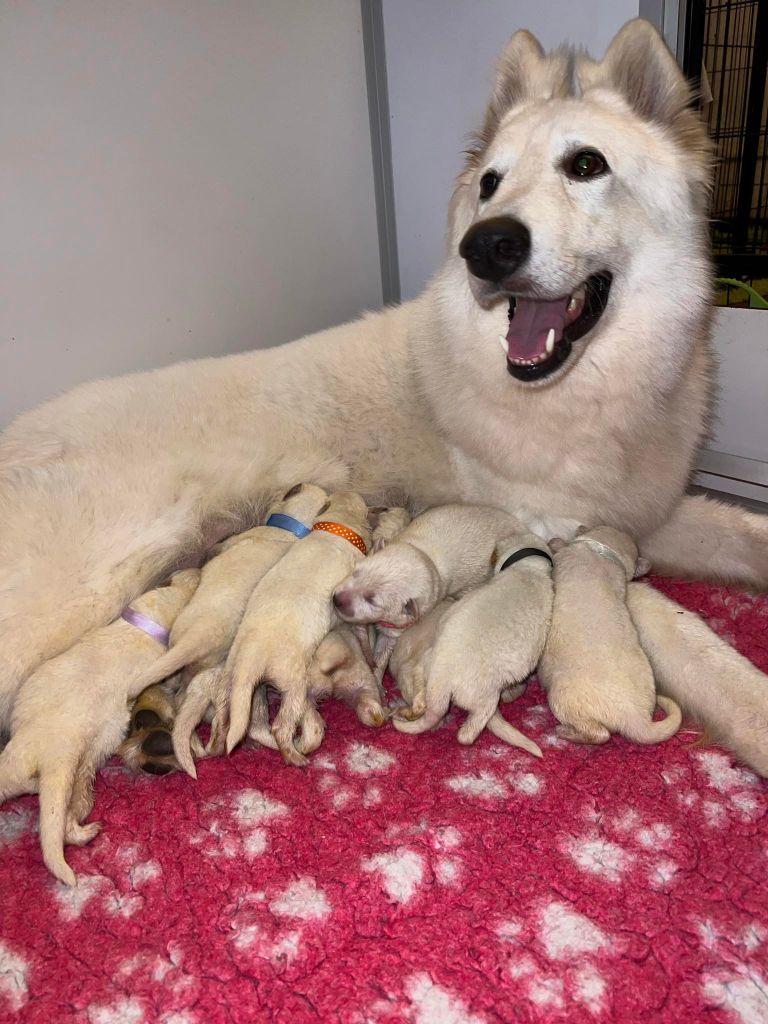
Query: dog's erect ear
642,567
639,65
293,490
515,73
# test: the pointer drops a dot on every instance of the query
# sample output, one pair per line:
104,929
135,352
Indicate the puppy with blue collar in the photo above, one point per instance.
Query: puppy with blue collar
488,643
203,633
597,678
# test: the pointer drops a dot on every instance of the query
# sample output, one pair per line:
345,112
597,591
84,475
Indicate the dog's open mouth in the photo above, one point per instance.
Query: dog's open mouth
541,334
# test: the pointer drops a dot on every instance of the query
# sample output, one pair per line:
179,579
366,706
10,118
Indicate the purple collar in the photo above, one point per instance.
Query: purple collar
149,626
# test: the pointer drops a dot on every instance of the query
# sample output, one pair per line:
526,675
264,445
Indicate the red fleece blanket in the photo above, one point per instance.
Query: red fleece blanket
409,879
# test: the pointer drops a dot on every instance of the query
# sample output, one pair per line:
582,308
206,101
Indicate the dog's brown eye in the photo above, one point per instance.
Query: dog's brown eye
488,184
587,163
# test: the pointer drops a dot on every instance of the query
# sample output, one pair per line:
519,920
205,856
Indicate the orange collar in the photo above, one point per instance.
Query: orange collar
343,531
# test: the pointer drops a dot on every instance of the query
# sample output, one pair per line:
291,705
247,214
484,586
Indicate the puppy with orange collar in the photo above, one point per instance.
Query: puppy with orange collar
288,615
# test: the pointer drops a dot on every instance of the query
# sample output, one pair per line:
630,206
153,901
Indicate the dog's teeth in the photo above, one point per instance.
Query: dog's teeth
551,341
504,345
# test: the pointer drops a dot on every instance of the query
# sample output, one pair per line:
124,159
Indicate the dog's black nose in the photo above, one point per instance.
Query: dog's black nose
495,248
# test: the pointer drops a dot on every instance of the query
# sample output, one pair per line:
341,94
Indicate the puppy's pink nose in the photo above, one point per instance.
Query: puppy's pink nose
342,600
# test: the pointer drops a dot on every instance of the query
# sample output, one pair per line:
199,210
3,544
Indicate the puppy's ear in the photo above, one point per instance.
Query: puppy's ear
293,490
642,567
411,609
324,509
556,544
582,529
378,510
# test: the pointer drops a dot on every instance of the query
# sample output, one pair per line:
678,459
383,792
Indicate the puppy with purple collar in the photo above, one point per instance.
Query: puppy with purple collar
489,642
597,678
59,739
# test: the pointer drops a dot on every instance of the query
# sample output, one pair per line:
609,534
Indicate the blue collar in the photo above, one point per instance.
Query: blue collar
284,522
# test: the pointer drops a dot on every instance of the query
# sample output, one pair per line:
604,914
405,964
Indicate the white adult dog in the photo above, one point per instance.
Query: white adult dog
584,199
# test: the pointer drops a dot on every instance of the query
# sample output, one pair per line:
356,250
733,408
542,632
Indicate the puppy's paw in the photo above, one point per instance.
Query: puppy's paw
292,756
81,835
149,751
372,714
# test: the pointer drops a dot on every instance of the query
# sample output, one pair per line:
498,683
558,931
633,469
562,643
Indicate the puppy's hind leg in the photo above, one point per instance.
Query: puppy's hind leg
476,721
200,693
311,731
260,730
293,708
15,778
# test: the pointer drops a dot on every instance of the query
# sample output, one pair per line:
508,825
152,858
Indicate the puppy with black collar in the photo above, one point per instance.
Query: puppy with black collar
490,641
597,678
288,615
59,738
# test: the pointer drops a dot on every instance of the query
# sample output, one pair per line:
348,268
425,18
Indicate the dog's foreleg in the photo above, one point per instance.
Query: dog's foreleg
708,539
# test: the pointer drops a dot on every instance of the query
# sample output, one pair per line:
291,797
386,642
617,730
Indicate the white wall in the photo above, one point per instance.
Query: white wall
440,60
178,178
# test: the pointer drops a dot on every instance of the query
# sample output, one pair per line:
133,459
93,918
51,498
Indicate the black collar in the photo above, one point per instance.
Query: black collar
521,553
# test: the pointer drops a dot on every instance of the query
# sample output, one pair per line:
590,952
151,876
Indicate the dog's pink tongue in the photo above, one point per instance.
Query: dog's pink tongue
531,324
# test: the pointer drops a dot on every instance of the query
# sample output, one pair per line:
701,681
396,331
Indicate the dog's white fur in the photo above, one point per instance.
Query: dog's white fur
288,615
697,668
72,714
489,641
140,472
597,678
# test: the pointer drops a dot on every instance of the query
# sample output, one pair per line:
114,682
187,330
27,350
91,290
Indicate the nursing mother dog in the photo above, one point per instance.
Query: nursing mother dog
584,196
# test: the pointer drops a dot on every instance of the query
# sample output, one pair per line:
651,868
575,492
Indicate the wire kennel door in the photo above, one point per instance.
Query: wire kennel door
726,47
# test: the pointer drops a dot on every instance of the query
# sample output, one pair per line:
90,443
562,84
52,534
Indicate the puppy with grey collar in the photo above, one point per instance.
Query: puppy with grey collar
489,641
288,615
70,716
598,679
444,552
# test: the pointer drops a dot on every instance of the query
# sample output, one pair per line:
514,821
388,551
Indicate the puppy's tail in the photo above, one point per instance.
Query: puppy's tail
55,793
501,728
436,710
657,732
707,678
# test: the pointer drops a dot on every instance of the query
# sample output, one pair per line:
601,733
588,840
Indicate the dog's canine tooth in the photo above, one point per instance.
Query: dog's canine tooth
551,340
504,345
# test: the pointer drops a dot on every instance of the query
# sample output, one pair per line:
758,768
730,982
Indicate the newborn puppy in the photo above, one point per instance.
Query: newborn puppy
597,678
71,714
339,669
489,641
288,615
444,552
705,675
412,656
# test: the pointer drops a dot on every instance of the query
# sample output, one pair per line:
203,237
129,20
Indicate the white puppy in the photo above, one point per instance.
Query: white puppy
489,641
444,552
597,678
72,714
699,669
204,631
288,615
339,669
412,656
